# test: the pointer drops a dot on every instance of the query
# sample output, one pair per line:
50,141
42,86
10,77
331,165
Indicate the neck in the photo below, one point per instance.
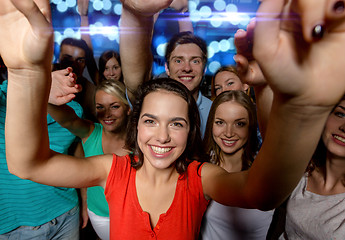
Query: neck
232,162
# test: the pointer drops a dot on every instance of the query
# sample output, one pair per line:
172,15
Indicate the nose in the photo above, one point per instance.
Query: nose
107,113
163,135
187,67
229,131
342,127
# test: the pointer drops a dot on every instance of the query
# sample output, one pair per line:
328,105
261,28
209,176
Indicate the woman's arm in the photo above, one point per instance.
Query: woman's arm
295,66
27,52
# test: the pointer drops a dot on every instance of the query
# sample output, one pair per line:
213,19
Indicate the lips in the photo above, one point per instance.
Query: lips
160,150
108,122
339,138
229,143
186,78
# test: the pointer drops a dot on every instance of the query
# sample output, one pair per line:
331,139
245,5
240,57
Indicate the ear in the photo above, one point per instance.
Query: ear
245,87
167,69
129,111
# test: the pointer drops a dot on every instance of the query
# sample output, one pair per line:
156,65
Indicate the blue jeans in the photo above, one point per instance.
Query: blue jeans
64,227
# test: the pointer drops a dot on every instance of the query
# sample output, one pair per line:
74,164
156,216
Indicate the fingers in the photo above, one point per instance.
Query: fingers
312,17
37,12
267,28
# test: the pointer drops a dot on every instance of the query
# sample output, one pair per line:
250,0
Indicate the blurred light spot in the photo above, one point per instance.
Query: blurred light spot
192,6
56,2
62,7
106,5
71,3
205,12
210,52
97,5
219,5
69,33
57,37
159,40
215,46
214,66
216,21
231,8
245,19
232,44
195,16
224,45
118,9
161,49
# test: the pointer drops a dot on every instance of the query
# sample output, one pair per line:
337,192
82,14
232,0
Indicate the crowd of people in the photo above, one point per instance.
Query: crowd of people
151,157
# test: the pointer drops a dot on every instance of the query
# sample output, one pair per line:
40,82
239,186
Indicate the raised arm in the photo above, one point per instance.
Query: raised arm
27,52
63,82
251,74
136,30
83,10
296,67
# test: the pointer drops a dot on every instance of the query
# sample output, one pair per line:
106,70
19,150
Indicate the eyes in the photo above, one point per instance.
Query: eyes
195,61
339,114
239,124
174,124
113,107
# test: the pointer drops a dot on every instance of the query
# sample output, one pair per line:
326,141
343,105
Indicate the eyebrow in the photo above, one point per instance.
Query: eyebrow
193,57
171,119
341,107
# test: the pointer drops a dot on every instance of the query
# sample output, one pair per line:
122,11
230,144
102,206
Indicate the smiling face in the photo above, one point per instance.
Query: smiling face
333,135
111,112
226,81
186,66
112,69
230,127
163,128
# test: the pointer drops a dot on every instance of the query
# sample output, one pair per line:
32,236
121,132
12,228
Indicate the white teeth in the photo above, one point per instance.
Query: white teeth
160,150
228,142
186,78
339,138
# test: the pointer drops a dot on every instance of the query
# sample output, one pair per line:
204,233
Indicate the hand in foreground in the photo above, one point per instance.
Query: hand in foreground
64,87
247,68
294,66
27,34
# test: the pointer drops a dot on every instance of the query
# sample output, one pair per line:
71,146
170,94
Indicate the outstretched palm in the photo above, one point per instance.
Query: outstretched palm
26,33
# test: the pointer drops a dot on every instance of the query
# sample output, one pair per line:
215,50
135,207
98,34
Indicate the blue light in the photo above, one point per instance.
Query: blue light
219,5
56,2
216,21
97,5
69,32
224,45
231,8
62,7
214,66
71,3
195,16
210,52
205,11
106,5
118,9
159,40
161,49
215,46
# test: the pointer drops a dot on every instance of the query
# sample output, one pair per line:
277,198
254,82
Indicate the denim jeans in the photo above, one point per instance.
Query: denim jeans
64,227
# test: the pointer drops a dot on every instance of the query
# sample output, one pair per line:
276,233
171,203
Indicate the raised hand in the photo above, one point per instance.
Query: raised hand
248,69
64,87
180,5
83,7
145,7
27,35
308,68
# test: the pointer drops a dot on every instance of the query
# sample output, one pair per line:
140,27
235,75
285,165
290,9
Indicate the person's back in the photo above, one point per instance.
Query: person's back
25,205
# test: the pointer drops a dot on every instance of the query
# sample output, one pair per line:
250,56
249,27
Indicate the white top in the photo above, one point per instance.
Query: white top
313,216
224,222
